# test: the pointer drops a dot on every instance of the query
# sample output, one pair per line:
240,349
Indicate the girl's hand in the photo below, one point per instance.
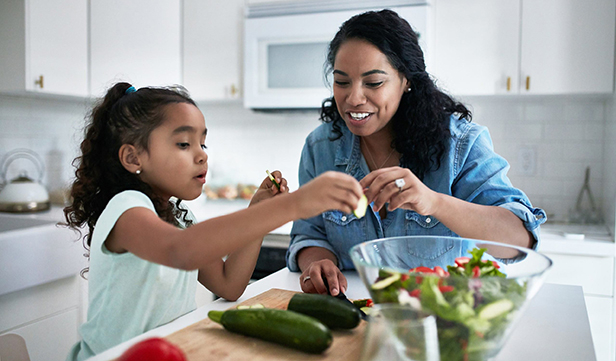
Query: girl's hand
330,190
413,196
312,278
268,189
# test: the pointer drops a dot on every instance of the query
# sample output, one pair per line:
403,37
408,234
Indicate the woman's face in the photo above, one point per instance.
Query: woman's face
367,89
175,163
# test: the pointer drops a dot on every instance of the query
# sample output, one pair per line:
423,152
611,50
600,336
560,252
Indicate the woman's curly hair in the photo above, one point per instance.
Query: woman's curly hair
121,117
420,126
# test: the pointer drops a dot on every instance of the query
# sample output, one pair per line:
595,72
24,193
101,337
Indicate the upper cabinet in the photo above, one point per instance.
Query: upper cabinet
484,47
44,46
212,48
137,41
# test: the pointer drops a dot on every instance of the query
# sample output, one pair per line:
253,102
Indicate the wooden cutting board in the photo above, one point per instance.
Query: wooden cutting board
207,340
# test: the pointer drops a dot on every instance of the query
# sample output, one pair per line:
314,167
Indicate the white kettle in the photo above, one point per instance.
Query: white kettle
22,194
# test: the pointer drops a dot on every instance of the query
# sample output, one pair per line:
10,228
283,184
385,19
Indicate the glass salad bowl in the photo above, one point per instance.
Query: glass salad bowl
476,289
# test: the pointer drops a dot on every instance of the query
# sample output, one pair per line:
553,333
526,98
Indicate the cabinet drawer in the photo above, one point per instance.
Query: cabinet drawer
594,274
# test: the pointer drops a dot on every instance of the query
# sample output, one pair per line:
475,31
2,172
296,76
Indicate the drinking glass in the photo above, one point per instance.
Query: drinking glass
400,333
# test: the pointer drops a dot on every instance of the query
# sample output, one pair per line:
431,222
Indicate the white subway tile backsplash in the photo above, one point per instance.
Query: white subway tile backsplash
566,134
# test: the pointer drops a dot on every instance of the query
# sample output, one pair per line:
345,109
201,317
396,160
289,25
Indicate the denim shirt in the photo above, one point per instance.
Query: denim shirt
470,170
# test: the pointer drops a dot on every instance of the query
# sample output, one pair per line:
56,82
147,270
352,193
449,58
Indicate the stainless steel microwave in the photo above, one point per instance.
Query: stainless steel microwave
285,47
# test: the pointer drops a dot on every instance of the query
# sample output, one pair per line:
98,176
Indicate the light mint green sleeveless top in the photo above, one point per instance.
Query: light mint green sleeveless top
128,295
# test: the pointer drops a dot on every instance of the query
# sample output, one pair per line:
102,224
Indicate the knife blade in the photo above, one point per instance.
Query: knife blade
342,296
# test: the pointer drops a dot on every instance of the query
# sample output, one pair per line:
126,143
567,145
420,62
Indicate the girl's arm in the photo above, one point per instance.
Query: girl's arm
141,232
229,278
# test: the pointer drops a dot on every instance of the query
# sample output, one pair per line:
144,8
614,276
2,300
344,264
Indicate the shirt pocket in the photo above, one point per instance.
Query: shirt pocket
343,231
418,225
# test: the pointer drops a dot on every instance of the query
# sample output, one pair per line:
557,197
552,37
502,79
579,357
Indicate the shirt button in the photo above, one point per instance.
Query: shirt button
428,220
343,218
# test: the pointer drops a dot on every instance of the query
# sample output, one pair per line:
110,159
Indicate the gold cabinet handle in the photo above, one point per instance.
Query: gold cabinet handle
508,83
39,81
528,83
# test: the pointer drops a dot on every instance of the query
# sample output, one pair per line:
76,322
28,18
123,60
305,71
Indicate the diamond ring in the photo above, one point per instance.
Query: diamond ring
400,183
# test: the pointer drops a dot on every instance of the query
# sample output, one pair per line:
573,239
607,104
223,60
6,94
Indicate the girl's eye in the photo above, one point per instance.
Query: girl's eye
374,85
203,146
183,145
341,83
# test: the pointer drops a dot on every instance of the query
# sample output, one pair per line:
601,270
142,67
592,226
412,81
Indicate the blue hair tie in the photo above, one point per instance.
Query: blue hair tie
130,90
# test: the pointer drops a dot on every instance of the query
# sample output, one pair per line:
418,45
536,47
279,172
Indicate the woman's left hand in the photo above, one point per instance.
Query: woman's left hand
413,195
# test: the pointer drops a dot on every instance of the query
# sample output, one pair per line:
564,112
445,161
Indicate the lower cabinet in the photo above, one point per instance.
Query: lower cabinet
596,276
46,316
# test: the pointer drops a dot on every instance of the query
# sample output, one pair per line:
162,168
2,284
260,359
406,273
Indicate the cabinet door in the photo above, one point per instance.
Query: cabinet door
600,313
51,338
57,50
567,46
212,48
138,41
476,46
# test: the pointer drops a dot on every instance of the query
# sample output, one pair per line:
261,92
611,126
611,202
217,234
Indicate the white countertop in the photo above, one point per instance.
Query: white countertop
554,326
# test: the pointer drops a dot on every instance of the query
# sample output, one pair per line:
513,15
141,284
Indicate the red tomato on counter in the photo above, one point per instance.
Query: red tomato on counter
151,349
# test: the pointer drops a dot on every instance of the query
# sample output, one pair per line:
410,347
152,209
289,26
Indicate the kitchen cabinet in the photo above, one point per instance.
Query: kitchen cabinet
44,47
138,41
595,273
212,48
484,47
46,316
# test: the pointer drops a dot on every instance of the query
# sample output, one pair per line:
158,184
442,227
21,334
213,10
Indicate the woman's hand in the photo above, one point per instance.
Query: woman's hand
313,276
330,190
268,189
414,195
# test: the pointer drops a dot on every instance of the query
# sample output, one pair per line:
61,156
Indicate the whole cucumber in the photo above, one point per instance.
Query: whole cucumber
284,327
334,313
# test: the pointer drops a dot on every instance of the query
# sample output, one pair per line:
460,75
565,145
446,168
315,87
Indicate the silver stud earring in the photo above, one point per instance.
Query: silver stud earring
138,171
408,89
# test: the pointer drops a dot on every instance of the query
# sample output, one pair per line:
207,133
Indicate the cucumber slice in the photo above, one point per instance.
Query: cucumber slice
386,282
495,309
362,205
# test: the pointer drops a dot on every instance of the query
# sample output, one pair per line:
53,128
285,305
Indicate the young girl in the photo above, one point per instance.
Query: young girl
143,148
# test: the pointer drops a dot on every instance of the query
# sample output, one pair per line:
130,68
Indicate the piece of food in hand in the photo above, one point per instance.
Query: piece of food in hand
271,177
227,192
246,191
154,348
209,193
283,327
333,312
362,205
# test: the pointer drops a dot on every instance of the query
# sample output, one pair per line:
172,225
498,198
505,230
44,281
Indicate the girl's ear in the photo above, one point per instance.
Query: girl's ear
129,157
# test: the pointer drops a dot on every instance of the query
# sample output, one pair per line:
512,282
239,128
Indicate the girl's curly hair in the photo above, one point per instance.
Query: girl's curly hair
121,117
420,126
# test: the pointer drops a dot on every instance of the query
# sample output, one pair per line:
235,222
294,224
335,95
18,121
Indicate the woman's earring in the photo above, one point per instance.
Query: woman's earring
138,171
408,90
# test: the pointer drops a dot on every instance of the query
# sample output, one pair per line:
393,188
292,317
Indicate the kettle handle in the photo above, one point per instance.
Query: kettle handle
21,153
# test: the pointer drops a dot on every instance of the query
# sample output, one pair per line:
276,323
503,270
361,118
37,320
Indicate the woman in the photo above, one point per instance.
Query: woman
427,169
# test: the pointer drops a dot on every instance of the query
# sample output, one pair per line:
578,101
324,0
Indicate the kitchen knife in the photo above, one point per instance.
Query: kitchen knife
342,296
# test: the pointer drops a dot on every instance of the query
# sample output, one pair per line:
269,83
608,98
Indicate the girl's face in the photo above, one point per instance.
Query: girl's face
367,89
175,163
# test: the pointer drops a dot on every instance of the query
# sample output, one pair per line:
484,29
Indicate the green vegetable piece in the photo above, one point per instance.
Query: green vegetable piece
362,205
495,309
386,282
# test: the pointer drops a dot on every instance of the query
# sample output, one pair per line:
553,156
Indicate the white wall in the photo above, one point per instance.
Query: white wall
566,133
